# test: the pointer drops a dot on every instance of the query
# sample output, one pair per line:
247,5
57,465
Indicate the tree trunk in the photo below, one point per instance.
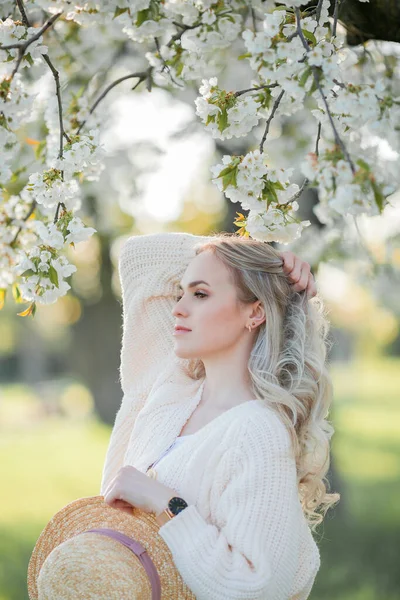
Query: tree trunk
373,20
96,342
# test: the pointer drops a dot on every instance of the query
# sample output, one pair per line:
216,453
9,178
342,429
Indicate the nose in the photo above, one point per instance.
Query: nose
179,308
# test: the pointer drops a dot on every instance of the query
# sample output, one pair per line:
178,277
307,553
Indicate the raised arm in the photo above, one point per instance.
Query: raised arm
150,267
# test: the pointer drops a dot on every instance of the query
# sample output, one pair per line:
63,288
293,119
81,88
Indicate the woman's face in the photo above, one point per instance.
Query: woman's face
208,309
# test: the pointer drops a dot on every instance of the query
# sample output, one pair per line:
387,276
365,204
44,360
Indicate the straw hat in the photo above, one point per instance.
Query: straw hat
123,558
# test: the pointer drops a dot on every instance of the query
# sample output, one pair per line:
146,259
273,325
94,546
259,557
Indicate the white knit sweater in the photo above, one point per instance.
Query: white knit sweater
243,535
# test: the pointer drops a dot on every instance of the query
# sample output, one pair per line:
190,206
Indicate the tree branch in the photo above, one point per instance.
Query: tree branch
338,140
27,43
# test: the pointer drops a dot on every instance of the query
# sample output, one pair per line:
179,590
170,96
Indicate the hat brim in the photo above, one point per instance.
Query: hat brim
91,512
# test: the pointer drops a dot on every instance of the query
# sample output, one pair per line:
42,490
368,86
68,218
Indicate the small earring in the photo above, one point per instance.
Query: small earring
249,326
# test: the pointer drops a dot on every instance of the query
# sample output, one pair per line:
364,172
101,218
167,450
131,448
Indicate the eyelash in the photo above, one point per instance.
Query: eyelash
177,298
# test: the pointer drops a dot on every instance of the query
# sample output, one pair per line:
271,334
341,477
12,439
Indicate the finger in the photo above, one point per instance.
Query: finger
112,495
288,261
301,284
311,287
300,267
110,485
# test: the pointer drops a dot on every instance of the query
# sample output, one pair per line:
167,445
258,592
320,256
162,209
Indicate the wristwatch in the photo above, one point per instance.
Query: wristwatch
175,506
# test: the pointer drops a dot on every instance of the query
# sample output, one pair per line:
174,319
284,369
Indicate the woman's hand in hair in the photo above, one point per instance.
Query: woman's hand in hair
299,272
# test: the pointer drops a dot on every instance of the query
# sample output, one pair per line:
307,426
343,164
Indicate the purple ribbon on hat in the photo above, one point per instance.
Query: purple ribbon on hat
140,551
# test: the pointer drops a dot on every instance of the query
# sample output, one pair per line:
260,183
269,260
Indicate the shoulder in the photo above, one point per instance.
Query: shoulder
263,433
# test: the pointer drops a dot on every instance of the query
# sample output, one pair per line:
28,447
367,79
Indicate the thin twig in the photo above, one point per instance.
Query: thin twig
253,17
260,87
318,12
32,208
299,192
60,114
23,13
306,181
21,50
276,104
142,75
362,242
184,28
291,36
165,66
339,83
318,138
335,17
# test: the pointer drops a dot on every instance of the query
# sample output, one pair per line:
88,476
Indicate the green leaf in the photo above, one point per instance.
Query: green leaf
270,192
305,75
361,163
179,69
142,16
39,149
378,195
229,179
313,87
28,273
278,185
28,58
53,275
119,11
310,36
223,119
225,171
210,119
15,292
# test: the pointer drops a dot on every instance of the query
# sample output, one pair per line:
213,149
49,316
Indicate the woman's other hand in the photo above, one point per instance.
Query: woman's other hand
299,272
130,487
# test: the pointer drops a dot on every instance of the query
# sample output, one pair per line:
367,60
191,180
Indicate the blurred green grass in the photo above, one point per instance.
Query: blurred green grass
48,464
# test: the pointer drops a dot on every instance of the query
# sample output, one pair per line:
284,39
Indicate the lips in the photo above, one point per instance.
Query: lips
182,329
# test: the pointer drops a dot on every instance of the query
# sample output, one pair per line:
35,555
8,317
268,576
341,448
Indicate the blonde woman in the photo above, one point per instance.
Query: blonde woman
222,431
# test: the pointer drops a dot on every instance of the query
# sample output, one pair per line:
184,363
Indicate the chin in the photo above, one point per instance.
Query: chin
185,353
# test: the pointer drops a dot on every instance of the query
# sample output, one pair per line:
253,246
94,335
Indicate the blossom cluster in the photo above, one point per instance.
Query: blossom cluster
14,33
264,191
341,192
224,114
43,270
294,58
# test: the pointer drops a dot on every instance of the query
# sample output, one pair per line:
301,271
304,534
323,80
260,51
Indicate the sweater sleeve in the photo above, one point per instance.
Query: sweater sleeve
150,268
250,549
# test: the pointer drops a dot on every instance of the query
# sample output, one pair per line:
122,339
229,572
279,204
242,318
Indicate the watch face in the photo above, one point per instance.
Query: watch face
177,504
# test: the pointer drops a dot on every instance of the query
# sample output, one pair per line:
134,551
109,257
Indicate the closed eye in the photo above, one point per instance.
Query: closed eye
177,298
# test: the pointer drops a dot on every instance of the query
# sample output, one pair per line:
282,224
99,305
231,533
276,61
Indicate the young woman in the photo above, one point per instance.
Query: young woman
222,430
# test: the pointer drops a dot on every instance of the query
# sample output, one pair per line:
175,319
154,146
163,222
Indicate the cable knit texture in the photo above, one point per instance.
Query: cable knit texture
243,535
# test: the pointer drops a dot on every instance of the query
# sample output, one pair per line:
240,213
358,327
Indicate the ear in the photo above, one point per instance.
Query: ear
257,314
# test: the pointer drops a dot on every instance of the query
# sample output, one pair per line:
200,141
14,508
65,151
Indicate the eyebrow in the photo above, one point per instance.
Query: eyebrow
194,283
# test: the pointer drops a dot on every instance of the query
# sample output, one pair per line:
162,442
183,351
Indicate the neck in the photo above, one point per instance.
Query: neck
227,383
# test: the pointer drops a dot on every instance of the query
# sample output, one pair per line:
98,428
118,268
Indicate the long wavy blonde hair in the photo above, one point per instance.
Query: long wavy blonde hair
287,364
